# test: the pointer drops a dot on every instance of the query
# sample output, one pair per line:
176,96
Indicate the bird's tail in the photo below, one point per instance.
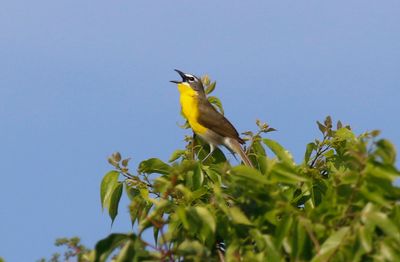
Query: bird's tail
236,147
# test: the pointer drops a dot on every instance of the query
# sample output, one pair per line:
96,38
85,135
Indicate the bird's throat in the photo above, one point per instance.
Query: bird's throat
189,102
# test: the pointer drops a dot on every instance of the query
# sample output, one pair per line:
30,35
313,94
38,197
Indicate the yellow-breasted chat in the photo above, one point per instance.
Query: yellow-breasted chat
205,120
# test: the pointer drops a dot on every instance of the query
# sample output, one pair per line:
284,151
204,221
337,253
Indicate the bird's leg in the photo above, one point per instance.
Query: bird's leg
212,148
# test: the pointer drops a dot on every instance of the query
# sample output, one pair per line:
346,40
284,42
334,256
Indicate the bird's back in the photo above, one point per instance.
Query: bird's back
210,118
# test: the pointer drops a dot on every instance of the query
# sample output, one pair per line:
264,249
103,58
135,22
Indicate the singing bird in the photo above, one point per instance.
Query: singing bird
205,120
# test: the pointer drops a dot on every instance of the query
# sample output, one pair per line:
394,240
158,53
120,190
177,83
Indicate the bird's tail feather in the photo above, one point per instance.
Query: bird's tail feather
236,147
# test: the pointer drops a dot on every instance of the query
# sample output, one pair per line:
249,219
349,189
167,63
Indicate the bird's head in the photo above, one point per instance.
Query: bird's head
189,83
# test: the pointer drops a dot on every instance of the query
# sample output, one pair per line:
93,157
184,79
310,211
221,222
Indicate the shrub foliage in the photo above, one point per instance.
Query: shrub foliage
338,204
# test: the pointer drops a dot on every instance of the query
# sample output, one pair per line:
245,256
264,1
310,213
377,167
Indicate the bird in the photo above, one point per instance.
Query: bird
205,121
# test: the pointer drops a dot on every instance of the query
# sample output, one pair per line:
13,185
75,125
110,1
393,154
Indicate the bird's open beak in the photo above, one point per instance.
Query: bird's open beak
181,74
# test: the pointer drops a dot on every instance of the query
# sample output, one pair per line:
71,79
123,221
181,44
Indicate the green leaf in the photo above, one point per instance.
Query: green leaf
199,193
238,216
258,149
279,151
248,173
207,218
318,191
198,177
189,247
382,221
213,175
156,230
114,201
365,236
187,194
258,238
273,253
302,200
132,192
321,127
136,208
350,177
330,153
194,221
231,253
375,197
389,251
262,164
208,225
110,180
284,174
154,165
210,88
127,252
282,229
310,148
386,151
216,103
107,245
176,154
328,122
298,241
385,172
181,212
331,244
344,134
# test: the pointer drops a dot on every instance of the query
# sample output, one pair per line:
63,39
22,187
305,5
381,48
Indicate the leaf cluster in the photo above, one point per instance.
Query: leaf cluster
339,204
74,249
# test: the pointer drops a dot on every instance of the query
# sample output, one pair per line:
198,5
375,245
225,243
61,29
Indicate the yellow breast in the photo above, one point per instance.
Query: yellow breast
189,103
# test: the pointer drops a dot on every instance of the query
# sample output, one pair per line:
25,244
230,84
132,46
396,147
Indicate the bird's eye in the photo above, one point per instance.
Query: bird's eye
191,78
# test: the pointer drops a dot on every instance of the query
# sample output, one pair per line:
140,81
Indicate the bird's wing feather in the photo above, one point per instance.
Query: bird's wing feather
212,119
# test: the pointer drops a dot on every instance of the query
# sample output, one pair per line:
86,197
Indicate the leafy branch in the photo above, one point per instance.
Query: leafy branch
339,204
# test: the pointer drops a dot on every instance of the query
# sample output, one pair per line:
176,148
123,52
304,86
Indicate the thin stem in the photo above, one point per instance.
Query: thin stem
148,183
151,245
320,151
127,175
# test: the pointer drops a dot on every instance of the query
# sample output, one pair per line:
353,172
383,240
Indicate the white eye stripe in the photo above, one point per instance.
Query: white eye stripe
191,77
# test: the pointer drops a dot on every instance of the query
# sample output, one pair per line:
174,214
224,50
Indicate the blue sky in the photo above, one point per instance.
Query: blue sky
82,79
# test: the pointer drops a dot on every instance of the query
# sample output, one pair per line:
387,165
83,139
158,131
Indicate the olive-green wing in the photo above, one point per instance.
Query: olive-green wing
212,119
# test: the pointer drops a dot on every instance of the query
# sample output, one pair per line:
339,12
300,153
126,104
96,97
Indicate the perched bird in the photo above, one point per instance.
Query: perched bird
205,120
